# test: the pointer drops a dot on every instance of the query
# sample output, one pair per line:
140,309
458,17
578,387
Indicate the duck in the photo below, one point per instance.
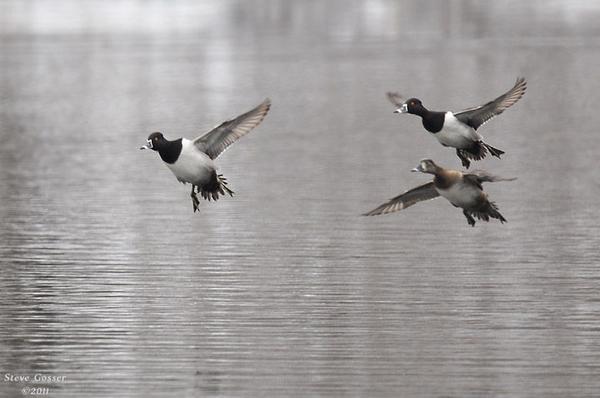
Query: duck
463,190
193,161
459,129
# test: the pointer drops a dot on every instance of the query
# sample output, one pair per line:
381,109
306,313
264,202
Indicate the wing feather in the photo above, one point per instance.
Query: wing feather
408,198
480,176
218,139
477,116
396,99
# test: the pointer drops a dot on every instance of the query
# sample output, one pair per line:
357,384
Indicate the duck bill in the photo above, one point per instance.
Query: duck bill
402,109
147,146
417,169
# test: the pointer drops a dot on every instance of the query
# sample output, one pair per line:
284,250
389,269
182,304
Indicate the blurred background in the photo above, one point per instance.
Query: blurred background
108,278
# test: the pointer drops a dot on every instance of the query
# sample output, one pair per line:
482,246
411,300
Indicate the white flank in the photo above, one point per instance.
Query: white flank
192,166
456,134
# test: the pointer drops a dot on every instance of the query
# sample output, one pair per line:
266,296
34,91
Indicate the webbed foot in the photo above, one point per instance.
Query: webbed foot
470,219
465,162
195,201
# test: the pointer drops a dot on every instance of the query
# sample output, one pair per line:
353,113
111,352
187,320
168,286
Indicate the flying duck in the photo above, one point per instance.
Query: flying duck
192,161
461,190
459,130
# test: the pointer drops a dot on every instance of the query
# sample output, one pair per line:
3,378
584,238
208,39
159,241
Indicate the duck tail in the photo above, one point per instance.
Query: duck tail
493,151
490,210
217,186
477,151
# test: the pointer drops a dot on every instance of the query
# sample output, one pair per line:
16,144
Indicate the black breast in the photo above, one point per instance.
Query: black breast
169,152
433,121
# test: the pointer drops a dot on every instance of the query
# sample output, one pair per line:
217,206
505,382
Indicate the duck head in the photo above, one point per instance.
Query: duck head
426,166
155,141
412,105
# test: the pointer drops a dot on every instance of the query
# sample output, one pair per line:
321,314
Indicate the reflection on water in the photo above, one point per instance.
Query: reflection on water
109,279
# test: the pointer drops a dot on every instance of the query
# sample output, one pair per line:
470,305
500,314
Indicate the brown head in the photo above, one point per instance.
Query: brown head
427,166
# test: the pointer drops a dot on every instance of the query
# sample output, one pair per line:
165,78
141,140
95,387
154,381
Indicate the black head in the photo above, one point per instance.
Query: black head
156,141
169,151
412,105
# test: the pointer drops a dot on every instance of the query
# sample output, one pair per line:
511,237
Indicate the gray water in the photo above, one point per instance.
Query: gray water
109,280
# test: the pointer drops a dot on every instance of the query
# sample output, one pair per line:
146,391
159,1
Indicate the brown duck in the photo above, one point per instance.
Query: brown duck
460,189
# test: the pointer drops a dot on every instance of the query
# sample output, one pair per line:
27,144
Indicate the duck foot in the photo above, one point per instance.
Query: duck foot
470,219
195,201
465,162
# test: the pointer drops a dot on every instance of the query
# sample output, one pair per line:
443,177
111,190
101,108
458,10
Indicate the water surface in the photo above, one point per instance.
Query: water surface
109,279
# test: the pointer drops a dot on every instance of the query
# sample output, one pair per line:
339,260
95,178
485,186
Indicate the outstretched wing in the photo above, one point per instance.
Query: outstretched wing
475,117
479,176
218,139
408,198
395,99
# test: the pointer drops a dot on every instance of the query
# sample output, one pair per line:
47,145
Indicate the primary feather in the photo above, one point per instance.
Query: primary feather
396,99
408,198
218,139
475,117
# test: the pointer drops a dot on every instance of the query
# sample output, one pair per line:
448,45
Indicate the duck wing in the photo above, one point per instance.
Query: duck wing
479,176
396,99
475,117
218,139
408,198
